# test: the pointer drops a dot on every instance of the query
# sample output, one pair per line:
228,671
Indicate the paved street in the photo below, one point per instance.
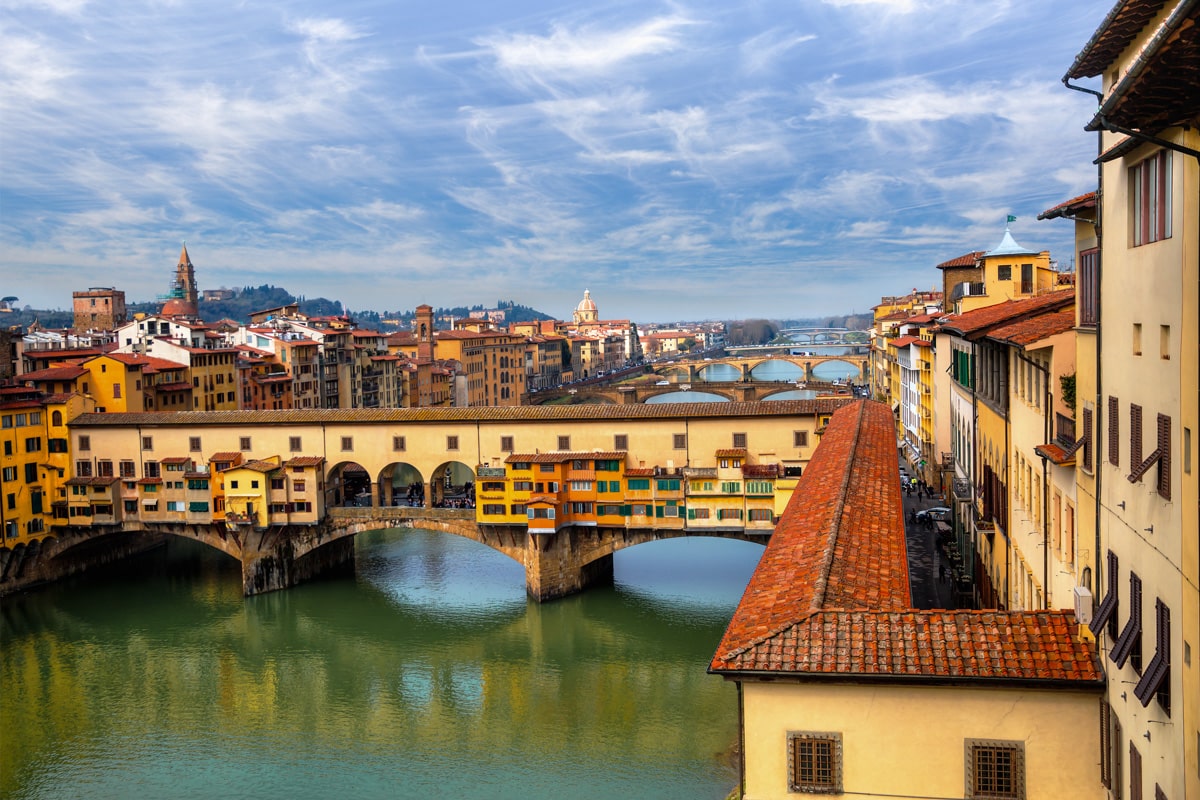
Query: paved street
929,588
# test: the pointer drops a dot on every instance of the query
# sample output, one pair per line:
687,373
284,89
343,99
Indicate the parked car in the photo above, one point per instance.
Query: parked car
936,514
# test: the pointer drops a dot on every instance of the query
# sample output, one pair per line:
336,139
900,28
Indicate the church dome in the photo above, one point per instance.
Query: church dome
179,307
587,303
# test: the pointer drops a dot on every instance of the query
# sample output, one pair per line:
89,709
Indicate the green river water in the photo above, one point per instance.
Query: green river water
428,674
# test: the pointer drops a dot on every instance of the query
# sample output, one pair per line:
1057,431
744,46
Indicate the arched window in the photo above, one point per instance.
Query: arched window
56,419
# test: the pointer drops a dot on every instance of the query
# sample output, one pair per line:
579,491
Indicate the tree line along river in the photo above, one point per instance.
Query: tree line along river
425,674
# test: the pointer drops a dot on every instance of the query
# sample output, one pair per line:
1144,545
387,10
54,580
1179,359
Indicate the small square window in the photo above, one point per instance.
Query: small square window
800,438
814,762
147,442
244,443
294,444
995,770
347,443
451,442
398,443
621,441
564,443
85,443
506,444
739,440
194,444
680,441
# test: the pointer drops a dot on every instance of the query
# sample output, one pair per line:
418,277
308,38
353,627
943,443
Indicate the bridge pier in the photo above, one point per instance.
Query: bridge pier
554,568
270,563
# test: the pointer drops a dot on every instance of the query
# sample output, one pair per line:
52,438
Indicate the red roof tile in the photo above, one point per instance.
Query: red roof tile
980,322
1072,206
562,457
732,452
1034,329
830,596
967,260
305,461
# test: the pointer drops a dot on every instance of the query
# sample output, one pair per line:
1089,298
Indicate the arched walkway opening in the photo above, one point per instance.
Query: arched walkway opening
348,484
401,484
452,485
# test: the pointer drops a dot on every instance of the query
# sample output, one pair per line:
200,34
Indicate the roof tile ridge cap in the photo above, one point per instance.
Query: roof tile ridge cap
822,581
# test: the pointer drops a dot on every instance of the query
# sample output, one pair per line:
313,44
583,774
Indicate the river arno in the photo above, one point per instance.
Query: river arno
426,675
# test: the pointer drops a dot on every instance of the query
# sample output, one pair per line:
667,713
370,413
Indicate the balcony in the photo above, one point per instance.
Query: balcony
1064,428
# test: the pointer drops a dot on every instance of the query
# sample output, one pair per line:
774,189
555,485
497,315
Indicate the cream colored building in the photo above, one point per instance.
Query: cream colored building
1146,416
846,690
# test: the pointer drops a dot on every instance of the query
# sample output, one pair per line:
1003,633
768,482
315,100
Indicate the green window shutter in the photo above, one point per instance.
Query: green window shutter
625,510
691,513
658,511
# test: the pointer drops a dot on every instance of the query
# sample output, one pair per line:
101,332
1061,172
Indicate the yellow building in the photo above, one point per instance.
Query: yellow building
845,689
981,434
1146,275
35,462
1007,272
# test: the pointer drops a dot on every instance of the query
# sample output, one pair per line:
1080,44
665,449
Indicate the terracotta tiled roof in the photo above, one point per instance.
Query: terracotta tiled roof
1118,30
563,456
826,550
305,461
967,260
980,322
905,341
441,415
1034,329
1055,453
640,472
1070,207
259,466
830,597
176,460
234,456
68,372
732,452
1030,645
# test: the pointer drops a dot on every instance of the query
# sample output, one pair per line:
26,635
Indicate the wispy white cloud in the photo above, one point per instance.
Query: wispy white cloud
362,151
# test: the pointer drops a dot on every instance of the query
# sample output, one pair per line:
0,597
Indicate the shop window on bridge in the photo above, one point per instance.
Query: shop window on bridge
130,506
581,486
608,510
302,506
174,505
56,445
518,466
639,484
35,525
729,513
540,513
608,465
759,487
493,509
639,510
522,486
731,487
759,515
668,484
517,509
492,486
581,508
698,513
11,529
670,510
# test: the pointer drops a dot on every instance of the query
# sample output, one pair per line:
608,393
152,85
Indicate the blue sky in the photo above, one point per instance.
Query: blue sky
684,160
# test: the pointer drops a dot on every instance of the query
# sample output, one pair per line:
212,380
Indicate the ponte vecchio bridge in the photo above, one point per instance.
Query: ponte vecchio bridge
362,466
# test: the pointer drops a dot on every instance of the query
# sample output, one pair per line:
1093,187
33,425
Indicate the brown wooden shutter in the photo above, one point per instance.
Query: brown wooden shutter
1164,457
1135,435
1114,431
1135,772
1105,743
1087,439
